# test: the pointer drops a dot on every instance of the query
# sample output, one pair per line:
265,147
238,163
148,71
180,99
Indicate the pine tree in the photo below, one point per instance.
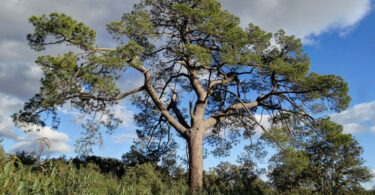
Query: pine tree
329,162
203,75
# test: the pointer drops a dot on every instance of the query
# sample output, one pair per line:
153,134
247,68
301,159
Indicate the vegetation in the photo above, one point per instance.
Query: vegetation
25,174
185,48
327,162
59,177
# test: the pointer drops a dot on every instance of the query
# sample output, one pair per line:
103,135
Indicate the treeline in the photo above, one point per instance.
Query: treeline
136,174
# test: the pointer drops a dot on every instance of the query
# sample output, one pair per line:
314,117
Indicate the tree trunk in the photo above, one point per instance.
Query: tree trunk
195,160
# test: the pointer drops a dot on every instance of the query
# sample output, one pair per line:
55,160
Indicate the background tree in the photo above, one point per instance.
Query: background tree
184,48
26,158
329,163
288,168
106,165
227,178
336,163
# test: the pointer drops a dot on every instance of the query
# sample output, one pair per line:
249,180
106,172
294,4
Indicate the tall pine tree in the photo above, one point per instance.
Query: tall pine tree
203,75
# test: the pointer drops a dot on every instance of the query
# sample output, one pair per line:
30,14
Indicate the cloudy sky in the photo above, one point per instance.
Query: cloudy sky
339,36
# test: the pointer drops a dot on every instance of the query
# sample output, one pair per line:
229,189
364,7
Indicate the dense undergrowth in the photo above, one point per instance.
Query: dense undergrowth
60,177
24,174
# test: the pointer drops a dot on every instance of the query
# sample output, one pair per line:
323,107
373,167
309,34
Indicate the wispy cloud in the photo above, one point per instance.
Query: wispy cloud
303,18
124,138
27,142
8,105
58,140
359,118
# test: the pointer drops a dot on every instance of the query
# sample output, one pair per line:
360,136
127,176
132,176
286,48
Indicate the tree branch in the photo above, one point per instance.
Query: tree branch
159,104
179,115
119,97
244,106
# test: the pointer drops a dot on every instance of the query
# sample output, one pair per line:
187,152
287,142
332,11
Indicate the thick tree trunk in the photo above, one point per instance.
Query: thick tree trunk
195,160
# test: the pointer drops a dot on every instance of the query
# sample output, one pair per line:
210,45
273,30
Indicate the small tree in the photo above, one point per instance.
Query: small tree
227,178
329,163
288,168
336,163
203,75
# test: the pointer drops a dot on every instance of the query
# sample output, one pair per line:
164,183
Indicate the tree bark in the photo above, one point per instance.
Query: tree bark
195,142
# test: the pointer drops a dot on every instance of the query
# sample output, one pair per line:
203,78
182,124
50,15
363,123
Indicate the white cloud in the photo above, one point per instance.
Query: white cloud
6,125
303,18
360,118
124,114
300,17
58,141
124,138
264,121
8,105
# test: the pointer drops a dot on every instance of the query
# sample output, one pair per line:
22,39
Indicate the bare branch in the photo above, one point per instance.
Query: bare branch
254,119
119,97
159,104
173,105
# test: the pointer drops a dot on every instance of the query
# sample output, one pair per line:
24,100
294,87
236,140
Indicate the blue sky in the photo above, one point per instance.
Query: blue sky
339,37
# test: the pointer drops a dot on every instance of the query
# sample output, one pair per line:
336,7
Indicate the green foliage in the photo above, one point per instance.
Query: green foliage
86,80
184,48
154,180
329,87
61,27
259,38
227,178
96,175
288,166
57,177
166,37
2,153
133,25
336,160
110,166
197,53
26,158
90,175
328,163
